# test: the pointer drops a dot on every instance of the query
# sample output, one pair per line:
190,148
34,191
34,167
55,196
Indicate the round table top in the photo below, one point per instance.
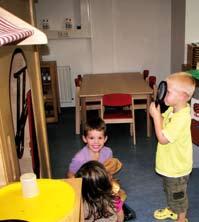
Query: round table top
54,203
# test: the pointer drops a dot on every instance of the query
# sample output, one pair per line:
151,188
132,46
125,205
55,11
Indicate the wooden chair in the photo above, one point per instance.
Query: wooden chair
142,103
91,104
113,112
145,74
152,83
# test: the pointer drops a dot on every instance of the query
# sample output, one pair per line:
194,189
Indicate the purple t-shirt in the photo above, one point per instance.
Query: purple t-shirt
84,156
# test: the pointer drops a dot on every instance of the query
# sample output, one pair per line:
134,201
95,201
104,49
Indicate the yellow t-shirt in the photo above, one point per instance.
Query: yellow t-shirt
175,158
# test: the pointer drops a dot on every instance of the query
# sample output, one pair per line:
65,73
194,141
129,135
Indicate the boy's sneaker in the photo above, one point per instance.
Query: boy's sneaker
166,213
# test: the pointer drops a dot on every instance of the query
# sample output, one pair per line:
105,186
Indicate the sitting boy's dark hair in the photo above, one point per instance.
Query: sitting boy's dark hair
95,124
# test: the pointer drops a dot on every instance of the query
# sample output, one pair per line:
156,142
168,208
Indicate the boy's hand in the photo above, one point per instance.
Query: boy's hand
158,123
154,111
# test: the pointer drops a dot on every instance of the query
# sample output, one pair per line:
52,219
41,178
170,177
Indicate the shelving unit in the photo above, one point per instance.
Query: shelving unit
67,34
193,55
56,29
50,90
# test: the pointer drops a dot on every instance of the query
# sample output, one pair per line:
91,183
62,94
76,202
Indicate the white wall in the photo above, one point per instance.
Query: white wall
191,24
127,35
131,36
57,11
177,35
192,18
73,52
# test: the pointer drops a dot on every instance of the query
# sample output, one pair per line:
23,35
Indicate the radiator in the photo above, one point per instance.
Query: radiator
65,87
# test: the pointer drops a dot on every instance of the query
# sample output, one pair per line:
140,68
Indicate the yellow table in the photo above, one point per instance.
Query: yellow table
56,202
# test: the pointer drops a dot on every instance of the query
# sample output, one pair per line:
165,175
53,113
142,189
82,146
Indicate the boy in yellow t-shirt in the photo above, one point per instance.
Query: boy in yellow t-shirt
174,149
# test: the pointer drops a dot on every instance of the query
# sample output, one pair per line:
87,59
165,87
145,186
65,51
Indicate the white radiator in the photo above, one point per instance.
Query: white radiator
65,87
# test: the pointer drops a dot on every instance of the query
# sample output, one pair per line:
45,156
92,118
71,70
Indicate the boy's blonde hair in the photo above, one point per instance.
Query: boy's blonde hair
183,82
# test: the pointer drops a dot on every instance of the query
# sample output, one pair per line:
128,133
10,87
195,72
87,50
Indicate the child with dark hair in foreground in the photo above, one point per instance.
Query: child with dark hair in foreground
100,204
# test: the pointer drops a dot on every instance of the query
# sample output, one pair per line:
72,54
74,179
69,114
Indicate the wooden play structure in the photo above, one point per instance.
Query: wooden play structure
19,54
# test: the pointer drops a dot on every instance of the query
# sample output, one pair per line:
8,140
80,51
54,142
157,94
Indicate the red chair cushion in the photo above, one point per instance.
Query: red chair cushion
117,99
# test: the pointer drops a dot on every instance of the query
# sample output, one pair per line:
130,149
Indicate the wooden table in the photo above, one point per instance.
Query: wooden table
96,85
78,214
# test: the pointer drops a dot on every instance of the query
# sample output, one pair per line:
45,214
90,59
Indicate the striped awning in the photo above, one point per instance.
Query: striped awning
15,31
10,33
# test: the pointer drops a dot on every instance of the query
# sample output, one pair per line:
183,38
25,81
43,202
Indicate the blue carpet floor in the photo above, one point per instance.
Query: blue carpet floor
138,178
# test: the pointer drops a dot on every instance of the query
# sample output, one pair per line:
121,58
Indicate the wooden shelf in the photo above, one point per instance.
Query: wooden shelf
67,34
48,97
192,55
50,90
